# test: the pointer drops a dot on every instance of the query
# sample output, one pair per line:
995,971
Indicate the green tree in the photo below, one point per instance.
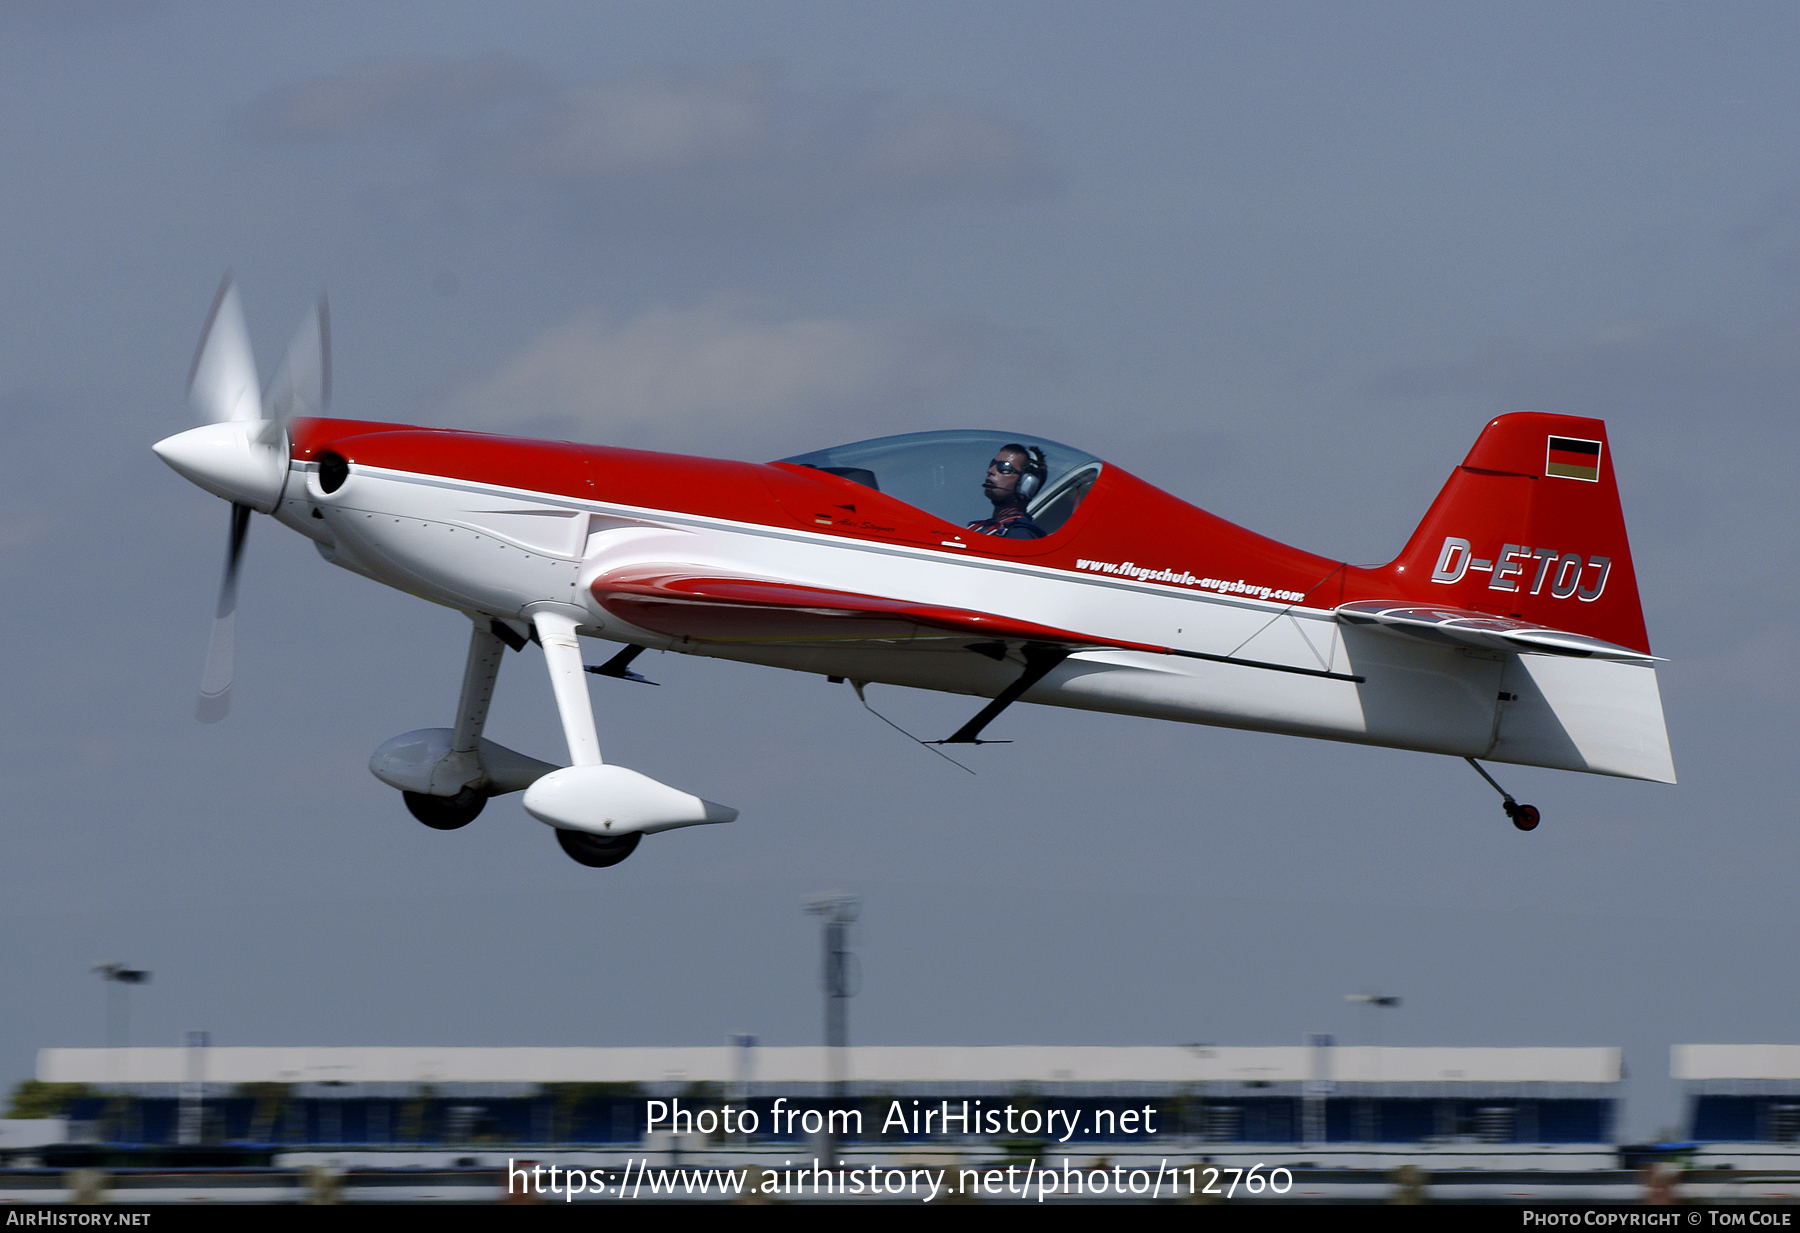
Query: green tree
36,1099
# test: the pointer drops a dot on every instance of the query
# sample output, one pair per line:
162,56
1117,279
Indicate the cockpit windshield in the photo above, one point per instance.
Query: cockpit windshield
943,473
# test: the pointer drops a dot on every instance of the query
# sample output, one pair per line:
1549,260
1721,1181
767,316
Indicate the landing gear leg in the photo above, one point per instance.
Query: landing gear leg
480,671
562,655
599,810
462,771
1525,817
568,680
447,774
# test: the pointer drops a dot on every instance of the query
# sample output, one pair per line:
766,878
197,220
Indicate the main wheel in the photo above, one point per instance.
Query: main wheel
445,813
596,851
1525,817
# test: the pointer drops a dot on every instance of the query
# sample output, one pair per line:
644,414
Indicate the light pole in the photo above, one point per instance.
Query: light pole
118,1013
1317,1087
745,1045
1372,1004
841,978
191,1122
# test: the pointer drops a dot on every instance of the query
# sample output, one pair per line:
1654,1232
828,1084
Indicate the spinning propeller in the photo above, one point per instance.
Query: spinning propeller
240,451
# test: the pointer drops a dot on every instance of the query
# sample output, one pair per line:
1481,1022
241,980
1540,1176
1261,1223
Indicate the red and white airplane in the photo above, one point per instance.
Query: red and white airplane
1508,628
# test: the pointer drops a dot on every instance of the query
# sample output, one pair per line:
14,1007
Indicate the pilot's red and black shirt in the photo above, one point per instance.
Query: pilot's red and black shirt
1013,526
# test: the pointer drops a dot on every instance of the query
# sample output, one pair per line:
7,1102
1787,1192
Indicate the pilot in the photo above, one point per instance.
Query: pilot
1015,475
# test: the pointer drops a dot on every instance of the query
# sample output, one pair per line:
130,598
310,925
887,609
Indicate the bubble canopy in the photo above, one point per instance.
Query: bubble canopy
942,472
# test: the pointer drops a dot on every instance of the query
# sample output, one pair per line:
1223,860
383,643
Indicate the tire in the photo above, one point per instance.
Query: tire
445,813
1525,817
595,851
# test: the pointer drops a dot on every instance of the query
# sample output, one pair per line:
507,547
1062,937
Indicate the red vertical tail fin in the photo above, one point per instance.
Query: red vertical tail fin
1529,526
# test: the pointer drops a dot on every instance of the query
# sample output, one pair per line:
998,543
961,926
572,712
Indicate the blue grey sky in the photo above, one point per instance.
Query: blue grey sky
1281,260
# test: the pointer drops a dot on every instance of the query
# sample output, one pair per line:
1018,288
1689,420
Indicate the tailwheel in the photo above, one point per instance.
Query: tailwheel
1525,817
445,813
596,851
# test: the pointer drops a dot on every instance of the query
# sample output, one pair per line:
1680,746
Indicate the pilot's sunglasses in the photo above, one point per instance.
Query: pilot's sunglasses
1005,468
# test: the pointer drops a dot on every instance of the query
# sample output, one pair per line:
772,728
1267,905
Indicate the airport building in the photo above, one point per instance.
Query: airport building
1317,1094
1740,1093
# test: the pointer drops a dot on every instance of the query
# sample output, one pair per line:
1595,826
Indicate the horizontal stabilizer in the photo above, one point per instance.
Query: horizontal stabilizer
1463,627
678,602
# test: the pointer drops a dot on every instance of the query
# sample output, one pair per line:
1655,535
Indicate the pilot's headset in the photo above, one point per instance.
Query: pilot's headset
1031,480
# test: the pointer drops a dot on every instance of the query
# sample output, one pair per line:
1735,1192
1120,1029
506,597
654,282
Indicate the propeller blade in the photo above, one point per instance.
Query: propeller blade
215,677
223,383
302,385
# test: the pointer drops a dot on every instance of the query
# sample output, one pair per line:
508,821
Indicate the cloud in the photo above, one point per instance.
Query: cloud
748,125
667,150
656,125
734,373
390,93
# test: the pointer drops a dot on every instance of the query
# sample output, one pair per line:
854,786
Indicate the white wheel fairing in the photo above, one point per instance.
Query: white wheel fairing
422,761
615,800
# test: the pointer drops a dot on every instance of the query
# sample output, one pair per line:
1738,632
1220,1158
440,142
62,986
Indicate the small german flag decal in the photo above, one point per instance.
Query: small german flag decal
1573,458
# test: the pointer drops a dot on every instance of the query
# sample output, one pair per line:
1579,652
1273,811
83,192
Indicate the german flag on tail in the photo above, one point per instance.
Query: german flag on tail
1573,458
